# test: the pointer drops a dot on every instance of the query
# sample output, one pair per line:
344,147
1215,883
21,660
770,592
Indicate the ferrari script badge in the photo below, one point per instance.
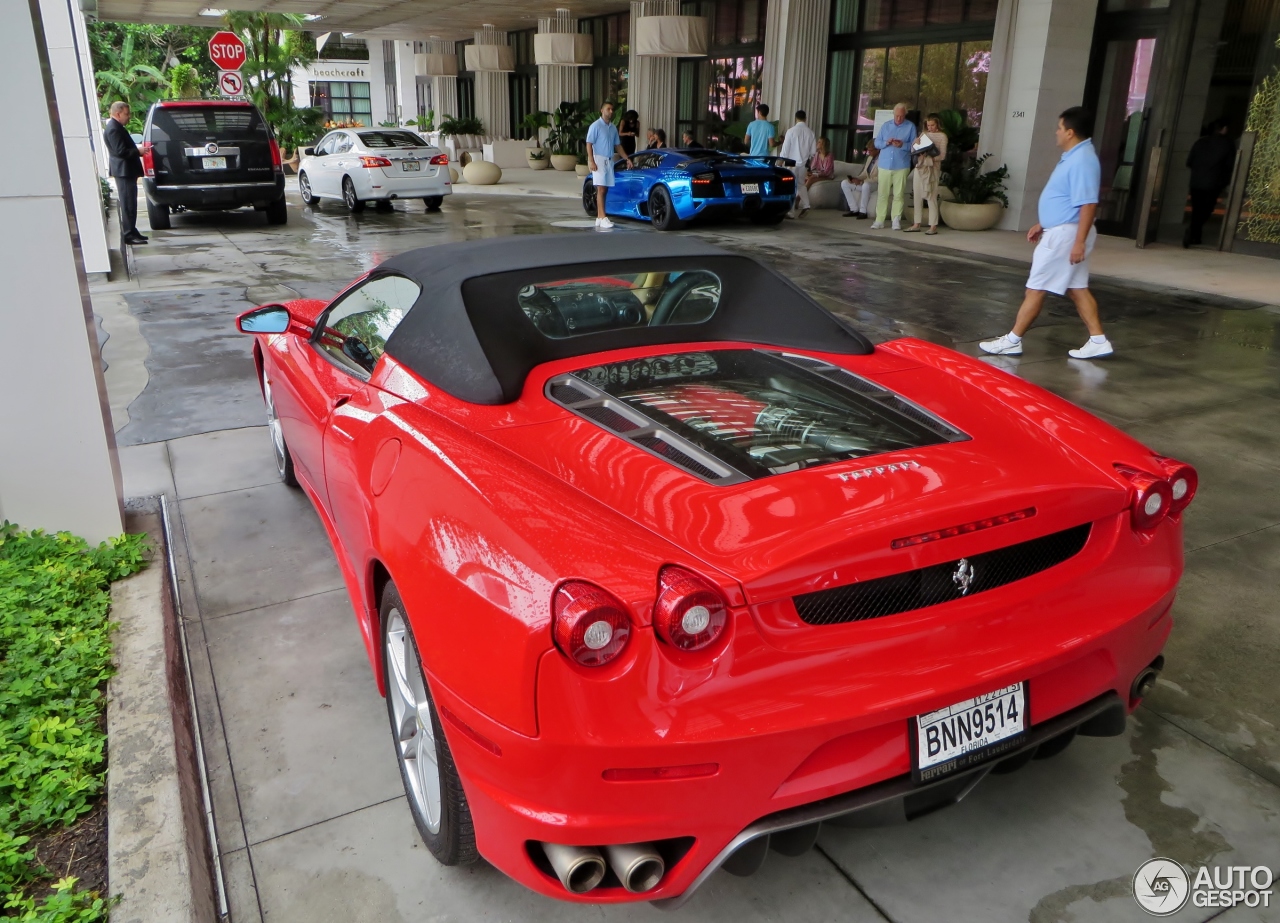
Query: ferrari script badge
878,469
963,577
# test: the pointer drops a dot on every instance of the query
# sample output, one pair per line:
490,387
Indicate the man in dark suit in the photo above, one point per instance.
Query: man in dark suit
1211,160
125,168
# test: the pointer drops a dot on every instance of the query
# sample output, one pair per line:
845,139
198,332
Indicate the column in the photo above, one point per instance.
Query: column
406,81
795,59
557,84
444,90
651,81
493,99
58,467
1032,80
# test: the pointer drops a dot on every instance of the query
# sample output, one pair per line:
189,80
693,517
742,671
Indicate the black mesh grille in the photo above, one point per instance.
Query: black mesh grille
566,394
675,456
941,583
609,419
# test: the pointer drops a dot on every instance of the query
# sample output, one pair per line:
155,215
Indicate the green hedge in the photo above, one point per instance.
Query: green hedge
55,657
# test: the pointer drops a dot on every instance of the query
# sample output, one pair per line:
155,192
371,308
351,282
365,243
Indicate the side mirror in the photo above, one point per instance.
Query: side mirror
269,319
308,152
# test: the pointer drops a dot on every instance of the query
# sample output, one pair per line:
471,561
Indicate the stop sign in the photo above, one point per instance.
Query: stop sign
227,51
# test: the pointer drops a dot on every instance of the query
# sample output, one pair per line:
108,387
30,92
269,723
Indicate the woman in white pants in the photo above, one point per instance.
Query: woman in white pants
927,175
858,189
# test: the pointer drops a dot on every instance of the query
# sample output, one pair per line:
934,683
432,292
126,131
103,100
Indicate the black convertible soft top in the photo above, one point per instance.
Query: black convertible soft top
468,335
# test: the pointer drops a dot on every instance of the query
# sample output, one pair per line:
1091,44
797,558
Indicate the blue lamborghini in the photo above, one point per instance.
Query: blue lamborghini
670,187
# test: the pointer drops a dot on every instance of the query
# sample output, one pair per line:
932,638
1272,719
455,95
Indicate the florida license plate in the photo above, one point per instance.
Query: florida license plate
968,732
214,163
411,166
750,188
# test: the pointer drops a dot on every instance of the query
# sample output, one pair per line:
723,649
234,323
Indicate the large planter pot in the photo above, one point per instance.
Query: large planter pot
582,169
970,217
564,162
482,173
536,163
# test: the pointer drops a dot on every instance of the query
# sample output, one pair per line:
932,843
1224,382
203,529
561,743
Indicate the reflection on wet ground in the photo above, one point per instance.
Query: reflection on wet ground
310,834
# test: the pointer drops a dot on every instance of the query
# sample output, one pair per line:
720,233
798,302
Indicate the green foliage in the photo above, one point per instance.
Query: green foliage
132,62
390,123
271,53
962,140
451,126
55,656
298,126
973,187
535,122
184,82
570,122
426,122
1262,189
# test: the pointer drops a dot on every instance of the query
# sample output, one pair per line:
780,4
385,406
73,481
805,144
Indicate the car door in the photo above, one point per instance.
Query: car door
341,160
628,186
319,173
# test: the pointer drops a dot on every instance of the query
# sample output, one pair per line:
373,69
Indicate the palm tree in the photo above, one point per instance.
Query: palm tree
270,56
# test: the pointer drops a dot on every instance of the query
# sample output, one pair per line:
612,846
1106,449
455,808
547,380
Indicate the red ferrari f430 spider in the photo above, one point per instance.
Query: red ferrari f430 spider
660,564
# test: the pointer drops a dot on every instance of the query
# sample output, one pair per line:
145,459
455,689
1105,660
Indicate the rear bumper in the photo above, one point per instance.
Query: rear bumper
215,195
738,207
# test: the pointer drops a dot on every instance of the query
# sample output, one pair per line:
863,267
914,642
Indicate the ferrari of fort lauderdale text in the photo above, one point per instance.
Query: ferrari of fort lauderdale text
669,188
660,564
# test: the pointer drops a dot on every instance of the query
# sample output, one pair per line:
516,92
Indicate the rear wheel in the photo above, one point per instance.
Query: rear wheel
662,211
284,461
304,189
158,216
589,198
431,783
278,212
349,196
383,205
433,202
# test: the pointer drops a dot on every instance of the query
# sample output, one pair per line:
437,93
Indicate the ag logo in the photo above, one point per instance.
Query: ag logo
1161,887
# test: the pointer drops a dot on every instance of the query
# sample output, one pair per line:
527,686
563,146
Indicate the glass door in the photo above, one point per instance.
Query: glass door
1123,109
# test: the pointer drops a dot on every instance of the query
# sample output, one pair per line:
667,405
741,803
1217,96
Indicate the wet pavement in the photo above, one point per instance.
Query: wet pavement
310,815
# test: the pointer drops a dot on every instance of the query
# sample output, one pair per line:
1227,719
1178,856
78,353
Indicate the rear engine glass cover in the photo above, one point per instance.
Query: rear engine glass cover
765,413
571,307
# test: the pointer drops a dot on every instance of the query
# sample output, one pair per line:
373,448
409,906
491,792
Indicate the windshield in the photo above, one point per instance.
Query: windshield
570,307
764,413
198,124
390,140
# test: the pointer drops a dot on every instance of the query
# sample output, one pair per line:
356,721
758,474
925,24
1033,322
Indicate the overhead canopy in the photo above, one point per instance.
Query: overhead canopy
468,335
564,49
671,36
431,64
490,58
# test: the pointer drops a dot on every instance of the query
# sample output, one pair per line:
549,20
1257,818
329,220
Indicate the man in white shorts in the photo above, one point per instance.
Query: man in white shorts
603,142
1064,239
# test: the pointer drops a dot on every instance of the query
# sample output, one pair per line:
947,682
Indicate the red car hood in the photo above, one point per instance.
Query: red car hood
834,524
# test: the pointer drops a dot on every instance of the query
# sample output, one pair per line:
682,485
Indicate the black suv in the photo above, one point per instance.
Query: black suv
209,155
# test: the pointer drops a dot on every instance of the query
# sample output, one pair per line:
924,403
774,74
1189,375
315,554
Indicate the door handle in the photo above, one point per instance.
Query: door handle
340,400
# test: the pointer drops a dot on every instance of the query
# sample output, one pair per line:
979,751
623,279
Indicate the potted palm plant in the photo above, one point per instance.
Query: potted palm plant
979,198
568,134
533,124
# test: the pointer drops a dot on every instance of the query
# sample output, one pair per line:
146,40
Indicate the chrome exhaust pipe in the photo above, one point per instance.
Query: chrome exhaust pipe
1145,681
579,868
638,866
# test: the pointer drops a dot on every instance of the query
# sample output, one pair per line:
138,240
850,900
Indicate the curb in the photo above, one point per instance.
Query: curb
158,857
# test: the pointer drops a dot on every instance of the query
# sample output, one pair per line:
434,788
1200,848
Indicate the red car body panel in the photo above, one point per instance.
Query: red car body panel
478,513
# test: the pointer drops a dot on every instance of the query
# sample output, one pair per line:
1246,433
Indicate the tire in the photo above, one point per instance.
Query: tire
278,212
383,205
158,216
589,198
662,211
284,459
768,218
304,189
433,202
433,790
349,199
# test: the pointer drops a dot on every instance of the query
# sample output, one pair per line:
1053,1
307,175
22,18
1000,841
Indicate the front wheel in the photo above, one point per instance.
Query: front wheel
304,190
158,216
284,460
433,202
431,783
349,198
589,198
662,211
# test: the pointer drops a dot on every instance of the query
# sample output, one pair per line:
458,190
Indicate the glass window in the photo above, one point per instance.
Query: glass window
354,332
390,140
908,14
844,17
937,78
196,124
840,100
903,79
950,75
571,307
981,10
945,11
343,104
971,81
871,90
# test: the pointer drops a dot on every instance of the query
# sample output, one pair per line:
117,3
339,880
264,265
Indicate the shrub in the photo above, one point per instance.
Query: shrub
973,187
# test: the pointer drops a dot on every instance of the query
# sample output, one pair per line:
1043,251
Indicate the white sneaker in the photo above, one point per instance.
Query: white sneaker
597,222
1092,350
1002,347
605,224
877,226
897,225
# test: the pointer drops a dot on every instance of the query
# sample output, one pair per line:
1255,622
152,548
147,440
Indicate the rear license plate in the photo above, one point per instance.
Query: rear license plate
968,732
750,188
214,163
410,165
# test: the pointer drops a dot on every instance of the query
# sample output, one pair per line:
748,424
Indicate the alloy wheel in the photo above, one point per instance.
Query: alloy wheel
304,187
658,209
414,729
276,430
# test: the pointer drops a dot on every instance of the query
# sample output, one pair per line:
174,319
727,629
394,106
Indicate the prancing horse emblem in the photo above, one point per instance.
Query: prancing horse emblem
963,577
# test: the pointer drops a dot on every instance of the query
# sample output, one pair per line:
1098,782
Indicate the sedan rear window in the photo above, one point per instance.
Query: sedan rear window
571,307
760,412
198,124
390,140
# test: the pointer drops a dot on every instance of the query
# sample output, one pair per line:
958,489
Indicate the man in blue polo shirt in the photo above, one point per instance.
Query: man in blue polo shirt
893,141
603,142
1064,239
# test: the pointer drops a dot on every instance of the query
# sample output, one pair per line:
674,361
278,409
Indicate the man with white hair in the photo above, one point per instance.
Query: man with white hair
799,145
894,141
125,166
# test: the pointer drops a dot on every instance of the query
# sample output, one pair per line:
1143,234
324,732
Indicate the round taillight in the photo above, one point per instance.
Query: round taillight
1183,482
690,613
1152,500
590,626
